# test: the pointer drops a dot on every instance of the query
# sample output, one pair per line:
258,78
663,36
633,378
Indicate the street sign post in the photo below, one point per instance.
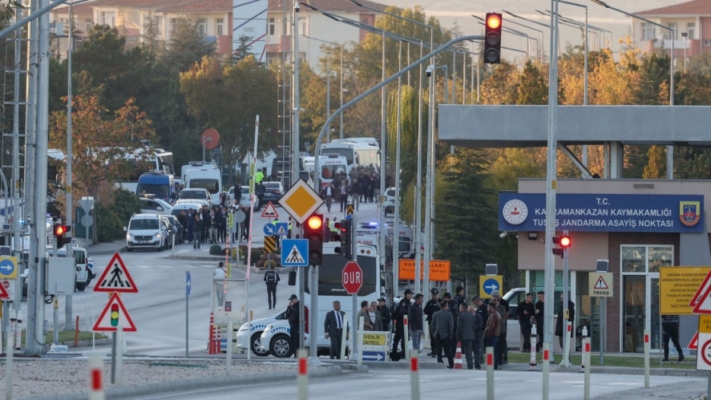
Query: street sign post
703,360
294,253
269,244
8,267
113,316
681,288
116,278
188,285
488,284
352,278
300,201
269,229
270,211
282,228
601,284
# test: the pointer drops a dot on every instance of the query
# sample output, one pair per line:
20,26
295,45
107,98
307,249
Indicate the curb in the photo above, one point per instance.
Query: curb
193,384
106,252
575,369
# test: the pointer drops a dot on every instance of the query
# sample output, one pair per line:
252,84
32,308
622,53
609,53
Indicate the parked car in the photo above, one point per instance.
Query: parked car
146,231
189,195
272,192
155,206
389,201
249,336
177,227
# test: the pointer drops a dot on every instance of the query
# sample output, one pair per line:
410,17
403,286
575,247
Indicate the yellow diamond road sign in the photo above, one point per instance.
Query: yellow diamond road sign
300,201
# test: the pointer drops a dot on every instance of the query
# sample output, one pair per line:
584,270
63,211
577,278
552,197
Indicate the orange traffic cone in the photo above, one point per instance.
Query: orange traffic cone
458,356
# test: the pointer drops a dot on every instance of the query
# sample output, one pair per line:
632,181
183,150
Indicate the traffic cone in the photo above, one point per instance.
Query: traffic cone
458,356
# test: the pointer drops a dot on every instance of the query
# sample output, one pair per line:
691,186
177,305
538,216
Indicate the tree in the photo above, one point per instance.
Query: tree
187,46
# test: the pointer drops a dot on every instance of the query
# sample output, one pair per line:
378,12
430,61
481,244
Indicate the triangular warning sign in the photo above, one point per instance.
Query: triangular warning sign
116,278
3,292
281,231
601,284
270,211
704,286
113,316
295,256
694,344
703,304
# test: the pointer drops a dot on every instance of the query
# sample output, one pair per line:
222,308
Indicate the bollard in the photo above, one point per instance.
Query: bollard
8,369
119,355
414,376
211,336
96,378
359,338
646,358
406,344
583,360
566,345
344,338
586,361
229,347
302,380
18,331
546,369
55,320
76,332
489,373
534,342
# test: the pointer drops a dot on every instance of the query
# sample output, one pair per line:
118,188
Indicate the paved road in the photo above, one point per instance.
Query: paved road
435,384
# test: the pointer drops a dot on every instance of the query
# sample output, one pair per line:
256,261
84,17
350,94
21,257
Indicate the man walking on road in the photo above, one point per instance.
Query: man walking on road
466,333
333,326
670,326
539,320
525,315
431,308
292,313
271,278
414,321
218,277
493,328
443,328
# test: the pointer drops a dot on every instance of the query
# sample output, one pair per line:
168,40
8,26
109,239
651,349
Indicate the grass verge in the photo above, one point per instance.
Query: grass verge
610,360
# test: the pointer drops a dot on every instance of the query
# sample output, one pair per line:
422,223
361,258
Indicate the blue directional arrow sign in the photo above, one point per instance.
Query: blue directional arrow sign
490,285
282,228
188,283
8,267
373,356
270,229
295,253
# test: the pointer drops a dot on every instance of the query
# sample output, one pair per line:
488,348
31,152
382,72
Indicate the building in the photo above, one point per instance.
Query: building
315,29
131,17
690,23
638,225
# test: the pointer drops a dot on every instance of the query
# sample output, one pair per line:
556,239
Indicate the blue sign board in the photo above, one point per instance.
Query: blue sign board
604,212
7,266
490,285
282,228
269,229
373,355
188,283
295,253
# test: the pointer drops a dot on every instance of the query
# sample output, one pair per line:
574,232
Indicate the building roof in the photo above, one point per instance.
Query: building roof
691,8
197,6
328,5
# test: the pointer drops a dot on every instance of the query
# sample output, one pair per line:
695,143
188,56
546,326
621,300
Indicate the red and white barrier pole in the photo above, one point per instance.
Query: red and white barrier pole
489,373
211,339
96,378
302,380
414,375
406,345
566,345
586,361
646,358
534,342
546,369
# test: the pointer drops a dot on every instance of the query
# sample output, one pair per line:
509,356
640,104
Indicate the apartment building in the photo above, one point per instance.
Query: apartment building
689,26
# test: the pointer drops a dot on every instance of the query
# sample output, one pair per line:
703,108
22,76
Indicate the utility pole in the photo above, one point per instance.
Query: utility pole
68,318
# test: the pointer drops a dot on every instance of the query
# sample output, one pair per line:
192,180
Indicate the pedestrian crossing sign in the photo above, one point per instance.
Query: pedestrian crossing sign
116,278
294,253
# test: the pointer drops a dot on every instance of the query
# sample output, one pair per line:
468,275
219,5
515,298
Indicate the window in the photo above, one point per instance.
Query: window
675,30
159,26
173,22
691,30
271,26
89,23
647,31
643,259
219,26
202,26
707,42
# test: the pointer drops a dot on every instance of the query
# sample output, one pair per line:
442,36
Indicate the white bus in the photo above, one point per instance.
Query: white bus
203,176
357,153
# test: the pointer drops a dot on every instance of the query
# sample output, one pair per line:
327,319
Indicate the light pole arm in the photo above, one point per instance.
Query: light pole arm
31,17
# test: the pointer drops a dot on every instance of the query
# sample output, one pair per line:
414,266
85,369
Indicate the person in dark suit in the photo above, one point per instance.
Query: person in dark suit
333,326
465,333
443,329
559,325
292,313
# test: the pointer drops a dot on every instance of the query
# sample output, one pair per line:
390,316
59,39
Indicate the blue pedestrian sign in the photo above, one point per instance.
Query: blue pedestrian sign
188,283
8,267
373,355
294,253
270,229
282,228
491,285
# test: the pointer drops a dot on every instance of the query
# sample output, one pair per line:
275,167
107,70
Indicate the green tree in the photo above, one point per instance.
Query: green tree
187,46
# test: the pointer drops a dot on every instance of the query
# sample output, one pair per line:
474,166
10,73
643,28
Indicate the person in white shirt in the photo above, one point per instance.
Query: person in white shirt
327,193
217,278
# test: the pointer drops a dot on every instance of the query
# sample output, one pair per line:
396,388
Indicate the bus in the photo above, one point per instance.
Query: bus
357,153
155,160
158,184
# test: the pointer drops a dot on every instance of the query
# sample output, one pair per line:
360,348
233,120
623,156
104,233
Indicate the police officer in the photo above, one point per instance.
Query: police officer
433,305
292,313
670,326
271,278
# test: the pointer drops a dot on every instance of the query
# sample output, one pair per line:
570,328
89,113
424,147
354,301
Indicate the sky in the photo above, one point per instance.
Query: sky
450,12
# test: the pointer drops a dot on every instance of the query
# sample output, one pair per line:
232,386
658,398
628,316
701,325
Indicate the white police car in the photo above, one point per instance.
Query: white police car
276,339
250,337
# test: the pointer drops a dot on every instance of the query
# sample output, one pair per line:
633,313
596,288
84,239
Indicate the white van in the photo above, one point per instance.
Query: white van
147,231
205,177
84,273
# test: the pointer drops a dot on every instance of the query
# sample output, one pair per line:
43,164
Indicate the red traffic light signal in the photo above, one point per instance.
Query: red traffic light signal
565,242
315,221
313,232
59,230
492,38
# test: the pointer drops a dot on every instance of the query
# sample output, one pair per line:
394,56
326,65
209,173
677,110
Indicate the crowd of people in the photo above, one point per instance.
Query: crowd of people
359,186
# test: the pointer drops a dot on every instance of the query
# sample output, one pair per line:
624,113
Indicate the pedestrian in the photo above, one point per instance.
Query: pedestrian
333,326
466,333
504,312
670,327
539,320
326,231
375,316
343,195
414,321
456,301
478,336
432,306
491,333
327,194
292,314
385,314
355,194
245,224
271,278
212,227
197,230
443,327
526,317
398,321
218,276
222,226
483,313
190,225
368,324
559,328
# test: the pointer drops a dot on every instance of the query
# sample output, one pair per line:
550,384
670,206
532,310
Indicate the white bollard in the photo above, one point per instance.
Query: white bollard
119,355
566,345
229,347
302,380
546,369
361,325
96,378
646,358
18,330
414,375
344,338
586,361
489,373
8,369
534,342
406,344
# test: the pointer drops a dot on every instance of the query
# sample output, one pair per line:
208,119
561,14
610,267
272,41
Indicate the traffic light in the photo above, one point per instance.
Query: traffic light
564,242
492,38
114,315
60,232
344,233
313,232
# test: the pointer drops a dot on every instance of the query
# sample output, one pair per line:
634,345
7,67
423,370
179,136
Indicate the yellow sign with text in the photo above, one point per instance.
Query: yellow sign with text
375,339
677,287
439,270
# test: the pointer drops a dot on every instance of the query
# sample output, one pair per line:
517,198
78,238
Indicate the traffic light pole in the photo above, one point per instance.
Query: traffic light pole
354,315
313,317
566,297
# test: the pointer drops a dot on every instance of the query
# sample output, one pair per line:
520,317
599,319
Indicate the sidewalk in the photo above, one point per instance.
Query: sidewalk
101,249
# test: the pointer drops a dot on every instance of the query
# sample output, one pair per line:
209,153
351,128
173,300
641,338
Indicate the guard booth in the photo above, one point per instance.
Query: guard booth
227,304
